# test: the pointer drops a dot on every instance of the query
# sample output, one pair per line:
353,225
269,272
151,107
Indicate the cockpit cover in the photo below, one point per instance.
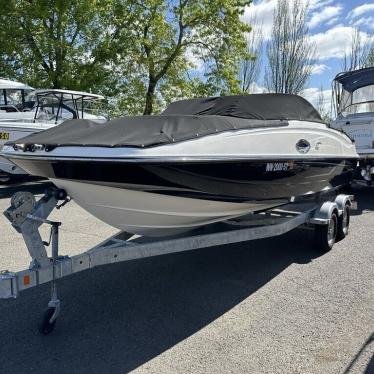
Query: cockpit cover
183,120
353,80
257,106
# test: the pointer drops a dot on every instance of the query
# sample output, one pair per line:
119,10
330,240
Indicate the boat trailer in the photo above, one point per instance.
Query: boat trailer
329,219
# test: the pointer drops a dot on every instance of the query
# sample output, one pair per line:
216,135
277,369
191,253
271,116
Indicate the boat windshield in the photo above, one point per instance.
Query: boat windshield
16,100
358,101
354,92
61,105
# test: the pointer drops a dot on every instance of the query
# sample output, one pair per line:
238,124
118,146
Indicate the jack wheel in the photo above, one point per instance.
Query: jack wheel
343,223
46,326
22,197
325,235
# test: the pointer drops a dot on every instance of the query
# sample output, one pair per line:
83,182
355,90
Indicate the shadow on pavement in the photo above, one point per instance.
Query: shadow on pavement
118,317
370,367
365,199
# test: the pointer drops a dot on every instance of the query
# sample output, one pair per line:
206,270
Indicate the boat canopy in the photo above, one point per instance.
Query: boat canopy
353,80
68,94
6,84
183,120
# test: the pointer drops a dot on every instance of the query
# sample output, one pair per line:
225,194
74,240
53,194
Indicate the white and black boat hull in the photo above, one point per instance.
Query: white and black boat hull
159,175
166,198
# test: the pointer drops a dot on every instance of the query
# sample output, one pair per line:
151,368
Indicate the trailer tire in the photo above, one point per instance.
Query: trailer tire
46,326
343,223
325,235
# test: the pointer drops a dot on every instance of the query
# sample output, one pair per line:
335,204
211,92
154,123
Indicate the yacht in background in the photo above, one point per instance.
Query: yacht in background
353,98
17,101
50,108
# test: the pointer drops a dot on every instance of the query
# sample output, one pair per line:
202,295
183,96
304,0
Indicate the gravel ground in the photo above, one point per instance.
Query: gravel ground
268,306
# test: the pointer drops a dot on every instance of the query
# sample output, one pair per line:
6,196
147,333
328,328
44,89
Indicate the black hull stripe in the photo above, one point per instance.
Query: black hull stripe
234,181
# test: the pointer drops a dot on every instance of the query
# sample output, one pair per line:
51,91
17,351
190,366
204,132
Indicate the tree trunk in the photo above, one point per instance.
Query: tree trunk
55,81
149,97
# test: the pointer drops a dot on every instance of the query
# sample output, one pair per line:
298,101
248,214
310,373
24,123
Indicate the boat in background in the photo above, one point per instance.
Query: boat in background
49,109
200,161
353,98
17,101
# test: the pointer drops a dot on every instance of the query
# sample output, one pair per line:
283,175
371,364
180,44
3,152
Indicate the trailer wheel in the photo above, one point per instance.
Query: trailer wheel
325,235
46,326
343,223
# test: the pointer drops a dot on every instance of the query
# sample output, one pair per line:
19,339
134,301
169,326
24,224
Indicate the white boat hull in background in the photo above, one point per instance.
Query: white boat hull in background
15,131
360,128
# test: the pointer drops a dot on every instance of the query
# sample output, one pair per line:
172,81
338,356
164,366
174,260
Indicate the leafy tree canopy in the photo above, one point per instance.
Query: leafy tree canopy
139,53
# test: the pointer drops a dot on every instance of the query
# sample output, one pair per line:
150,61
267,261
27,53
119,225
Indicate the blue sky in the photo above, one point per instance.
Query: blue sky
331,24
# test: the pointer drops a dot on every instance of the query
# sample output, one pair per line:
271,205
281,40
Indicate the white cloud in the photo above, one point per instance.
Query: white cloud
312,94
255,88
332,21
325,14
262,12
317,4
360,10
319,68
335,42
365,21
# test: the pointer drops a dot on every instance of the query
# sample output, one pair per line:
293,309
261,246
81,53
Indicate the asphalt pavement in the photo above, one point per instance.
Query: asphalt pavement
267,306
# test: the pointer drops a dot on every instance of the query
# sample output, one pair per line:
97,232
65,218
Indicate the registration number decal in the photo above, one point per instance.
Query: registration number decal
4,135
277,166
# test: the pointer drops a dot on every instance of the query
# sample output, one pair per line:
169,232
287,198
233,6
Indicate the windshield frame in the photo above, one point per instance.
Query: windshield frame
339,93
59,99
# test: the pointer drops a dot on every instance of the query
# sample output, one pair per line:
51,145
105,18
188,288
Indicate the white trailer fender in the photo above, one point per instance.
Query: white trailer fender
342,201
322,215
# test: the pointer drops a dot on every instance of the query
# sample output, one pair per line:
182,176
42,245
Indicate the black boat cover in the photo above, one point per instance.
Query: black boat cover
352,80
183,120
257,106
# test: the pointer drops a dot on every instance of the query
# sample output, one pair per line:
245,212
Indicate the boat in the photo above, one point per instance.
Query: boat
353,98
200,161
47,109
16,101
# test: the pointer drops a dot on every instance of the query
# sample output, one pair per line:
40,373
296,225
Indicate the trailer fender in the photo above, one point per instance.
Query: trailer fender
343,200
322,215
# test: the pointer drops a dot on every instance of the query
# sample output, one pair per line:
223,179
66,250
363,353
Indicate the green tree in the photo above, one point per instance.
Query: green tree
168,34
58,43
139,53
